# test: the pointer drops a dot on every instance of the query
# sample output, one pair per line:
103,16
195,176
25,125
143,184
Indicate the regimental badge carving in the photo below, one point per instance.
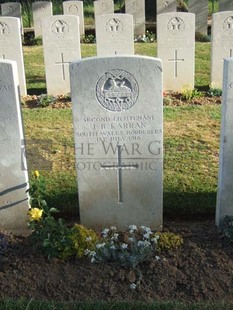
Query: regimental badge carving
117,90
9,9
228,24
73,9
104,7
135,7
176,24
60,28
4,31
114,26
166,4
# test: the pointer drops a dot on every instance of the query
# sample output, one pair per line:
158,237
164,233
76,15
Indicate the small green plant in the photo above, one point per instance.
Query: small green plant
45,100
168,240
150,36
83,239
214,91
129,249
90,38
188,93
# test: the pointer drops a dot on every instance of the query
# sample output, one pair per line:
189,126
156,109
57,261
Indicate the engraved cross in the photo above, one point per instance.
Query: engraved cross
176,60
62,63
119,166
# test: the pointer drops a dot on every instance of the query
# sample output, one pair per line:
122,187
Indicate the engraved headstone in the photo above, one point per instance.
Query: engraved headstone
11,46
13,173
200,9
103,7
12,9
225,5
61,44
221,44
40,10
176,48
117,115
137,9
225,175
114,34
75,8
166,6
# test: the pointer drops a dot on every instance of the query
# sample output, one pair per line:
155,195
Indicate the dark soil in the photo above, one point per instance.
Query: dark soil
201,270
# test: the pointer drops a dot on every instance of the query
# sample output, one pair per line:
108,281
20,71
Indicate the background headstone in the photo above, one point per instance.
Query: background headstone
75,8
200,9
103,7
12,9
40,10
118,124
164,6
13,168
61,44
114,34
221,44
225,176
11,47
137,9
176,48
225,5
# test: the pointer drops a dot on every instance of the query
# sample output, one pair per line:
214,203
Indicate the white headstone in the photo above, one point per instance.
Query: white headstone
225,5
118,125
114,34
12,9
40,10
225,176
13,173
221,44
11,46
176,48
75,8
166,6
137,9
61,44
103,7
200,9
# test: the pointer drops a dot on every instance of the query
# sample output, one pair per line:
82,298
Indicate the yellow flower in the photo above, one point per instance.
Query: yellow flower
35,214
36,174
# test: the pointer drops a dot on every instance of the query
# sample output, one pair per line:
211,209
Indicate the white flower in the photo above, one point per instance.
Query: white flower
88,239
113,228
124,246
140,243
146,229
115,237
113,247
105,231
130,239
100,245
157,257
133,286
147,235
132,228
86,252
154,240
92,259
144,243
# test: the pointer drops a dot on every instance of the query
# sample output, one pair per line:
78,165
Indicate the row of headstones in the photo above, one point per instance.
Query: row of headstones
118,128
114,33
135,7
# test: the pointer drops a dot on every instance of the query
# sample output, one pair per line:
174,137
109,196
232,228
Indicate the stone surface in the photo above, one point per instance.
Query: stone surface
164,6
40,10
114,34
225,5
221,44
225,176
11,46
118,124
176,48
61,44
13,173
12,9
137,9
75,8
200,9
103,7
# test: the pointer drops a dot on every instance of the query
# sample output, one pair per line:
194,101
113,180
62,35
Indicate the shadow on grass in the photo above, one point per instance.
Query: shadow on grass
189,206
